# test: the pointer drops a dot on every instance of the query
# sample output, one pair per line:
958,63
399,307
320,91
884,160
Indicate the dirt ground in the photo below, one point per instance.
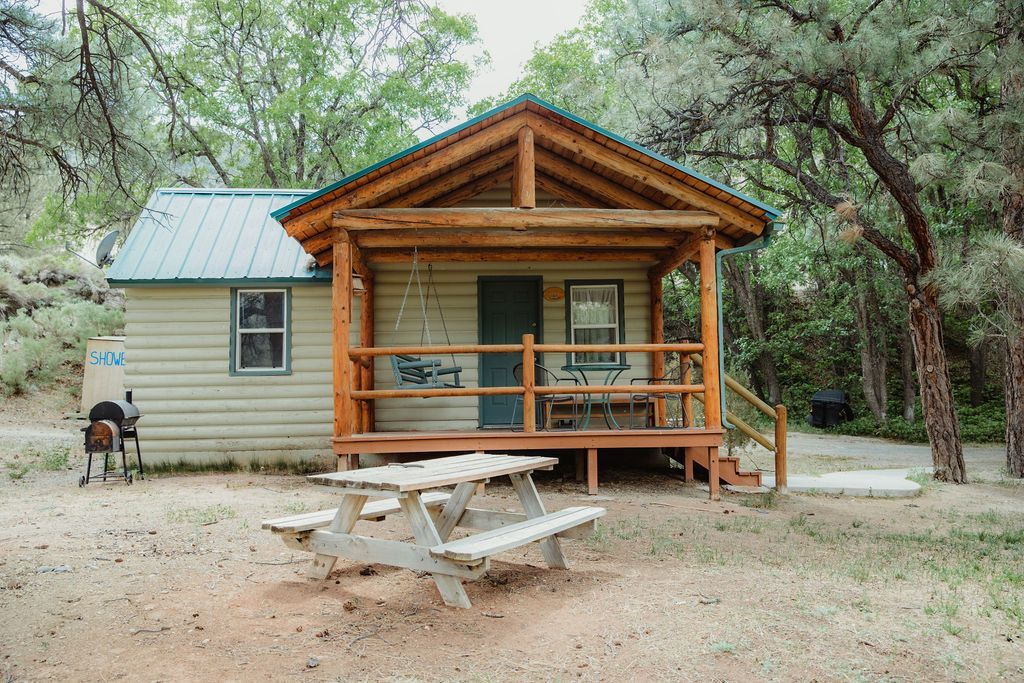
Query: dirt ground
172,579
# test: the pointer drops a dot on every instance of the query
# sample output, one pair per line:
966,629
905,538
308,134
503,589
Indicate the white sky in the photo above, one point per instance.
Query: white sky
508,30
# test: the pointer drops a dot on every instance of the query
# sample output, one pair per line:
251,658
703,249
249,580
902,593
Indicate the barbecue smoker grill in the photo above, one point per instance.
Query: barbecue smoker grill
111,423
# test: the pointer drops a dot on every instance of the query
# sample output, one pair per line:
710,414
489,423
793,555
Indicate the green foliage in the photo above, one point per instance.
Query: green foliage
329,87
49,307
978,424
983,281
252,93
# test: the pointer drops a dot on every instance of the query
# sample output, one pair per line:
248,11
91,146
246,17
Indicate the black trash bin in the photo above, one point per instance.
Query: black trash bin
829,408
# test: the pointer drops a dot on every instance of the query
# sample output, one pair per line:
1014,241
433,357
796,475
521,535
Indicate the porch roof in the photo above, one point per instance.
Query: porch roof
574,161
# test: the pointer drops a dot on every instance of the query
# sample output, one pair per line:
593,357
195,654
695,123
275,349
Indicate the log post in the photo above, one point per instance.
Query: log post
524,184
713,472
687,378
357,404
366,340
529,385
781,475
341,306
658,337
709,336
592,471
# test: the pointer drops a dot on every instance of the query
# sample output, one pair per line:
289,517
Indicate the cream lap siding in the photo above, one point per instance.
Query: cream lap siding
177,345
177,348
457,290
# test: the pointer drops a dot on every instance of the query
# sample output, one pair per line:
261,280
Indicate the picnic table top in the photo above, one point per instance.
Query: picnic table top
435,472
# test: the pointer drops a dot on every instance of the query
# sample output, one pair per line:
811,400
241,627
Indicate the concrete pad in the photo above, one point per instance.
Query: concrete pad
875,483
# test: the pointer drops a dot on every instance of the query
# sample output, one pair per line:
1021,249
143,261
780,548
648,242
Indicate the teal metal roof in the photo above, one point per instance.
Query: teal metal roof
192,236
283,211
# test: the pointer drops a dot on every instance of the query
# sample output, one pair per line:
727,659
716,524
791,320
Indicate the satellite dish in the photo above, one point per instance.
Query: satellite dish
106,246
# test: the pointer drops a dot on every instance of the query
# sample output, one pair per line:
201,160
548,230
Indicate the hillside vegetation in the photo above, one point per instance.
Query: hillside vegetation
49,307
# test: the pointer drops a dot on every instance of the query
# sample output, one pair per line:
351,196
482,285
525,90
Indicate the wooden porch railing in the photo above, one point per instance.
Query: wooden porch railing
529,389
777,414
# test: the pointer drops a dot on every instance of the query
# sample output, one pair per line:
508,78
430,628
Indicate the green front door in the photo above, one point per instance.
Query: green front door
509,308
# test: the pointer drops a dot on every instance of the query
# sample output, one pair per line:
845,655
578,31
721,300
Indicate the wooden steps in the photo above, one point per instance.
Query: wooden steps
729,471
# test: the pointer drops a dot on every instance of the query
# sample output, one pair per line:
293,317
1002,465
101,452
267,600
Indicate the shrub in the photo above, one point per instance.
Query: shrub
982,424
40,346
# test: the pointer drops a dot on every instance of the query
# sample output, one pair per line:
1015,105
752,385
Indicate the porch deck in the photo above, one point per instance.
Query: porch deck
505,439
695,442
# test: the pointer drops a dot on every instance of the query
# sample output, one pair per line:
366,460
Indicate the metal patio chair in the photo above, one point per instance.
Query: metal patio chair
646,401
546,377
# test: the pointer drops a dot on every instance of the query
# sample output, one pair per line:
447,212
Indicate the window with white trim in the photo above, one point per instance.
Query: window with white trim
595,318
260,340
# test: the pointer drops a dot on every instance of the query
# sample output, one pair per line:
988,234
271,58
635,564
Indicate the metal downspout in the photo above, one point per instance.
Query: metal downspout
756,245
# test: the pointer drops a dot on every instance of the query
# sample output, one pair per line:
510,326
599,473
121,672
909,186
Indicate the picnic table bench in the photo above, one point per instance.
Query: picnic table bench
433,516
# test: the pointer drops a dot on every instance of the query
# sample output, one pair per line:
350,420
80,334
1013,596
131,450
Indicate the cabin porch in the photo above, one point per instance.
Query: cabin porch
363,384
525,187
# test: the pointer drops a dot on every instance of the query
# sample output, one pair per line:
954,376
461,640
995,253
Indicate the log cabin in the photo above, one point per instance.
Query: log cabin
496,287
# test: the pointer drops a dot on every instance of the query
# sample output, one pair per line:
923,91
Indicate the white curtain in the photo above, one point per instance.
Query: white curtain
594,305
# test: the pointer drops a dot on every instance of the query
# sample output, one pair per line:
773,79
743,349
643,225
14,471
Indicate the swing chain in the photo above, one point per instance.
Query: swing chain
424,297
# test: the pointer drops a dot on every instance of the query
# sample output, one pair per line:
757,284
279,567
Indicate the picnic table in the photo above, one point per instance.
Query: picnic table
411,488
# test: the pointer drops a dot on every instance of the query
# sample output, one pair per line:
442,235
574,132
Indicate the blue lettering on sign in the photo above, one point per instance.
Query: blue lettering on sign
109,358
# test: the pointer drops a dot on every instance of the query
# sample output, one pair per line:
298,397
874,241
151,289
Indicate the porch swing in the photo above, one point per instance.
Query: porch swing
413,371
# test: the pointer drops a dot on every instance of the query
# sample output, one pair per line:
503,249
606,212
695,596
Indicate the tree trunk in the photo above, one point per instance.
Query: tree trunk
873,358
751,297
940,420
907,374
1015,404
977,364
1012,95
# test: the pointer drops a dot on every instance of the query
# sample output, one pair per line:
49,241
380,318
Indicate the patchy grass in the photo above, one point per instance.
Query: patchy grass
923,478
230,465
763,501
210,514
296,507
55,459
16,470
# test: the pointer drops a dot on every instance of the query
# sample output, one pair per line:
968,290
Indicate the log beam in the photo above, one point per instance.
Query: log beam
443,159
449,182
606,190
642,173
357,220
524,185
686,251
380,239
568,193
376,256
470,190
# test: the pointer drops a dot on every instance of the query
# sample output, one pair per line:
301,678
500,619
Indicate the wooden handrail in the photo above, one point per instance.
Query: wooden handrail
356,352
435,393
369,352
746,394
778,415
621,389
618,348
